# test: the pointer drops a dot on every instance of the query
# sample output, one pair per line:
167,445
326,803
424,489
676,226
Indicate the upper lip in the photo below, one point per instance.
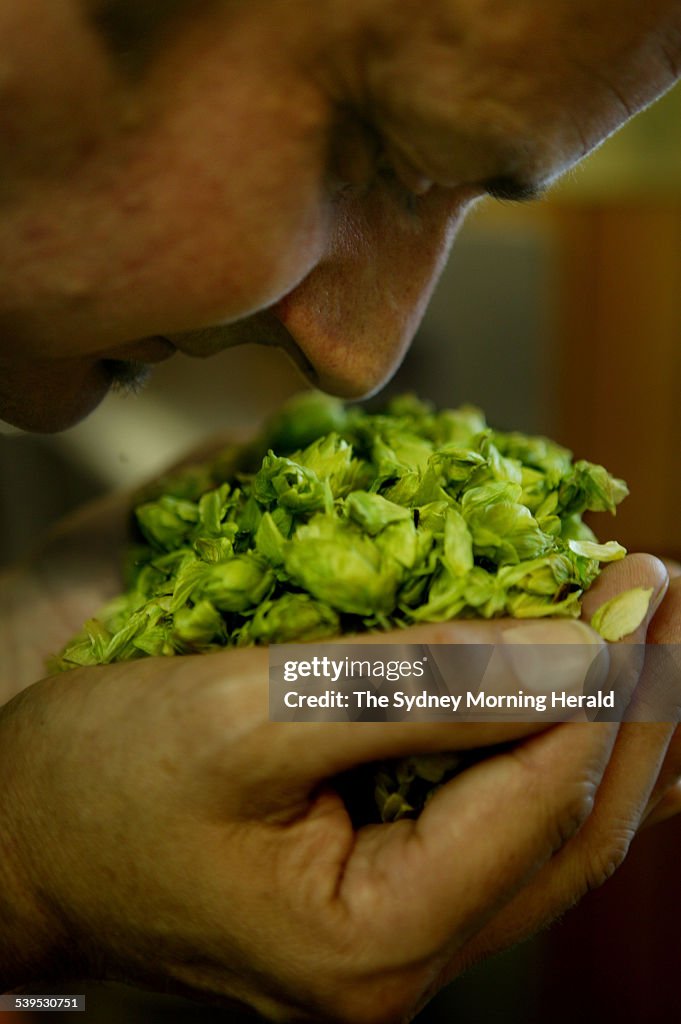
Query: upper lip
153,349
263,328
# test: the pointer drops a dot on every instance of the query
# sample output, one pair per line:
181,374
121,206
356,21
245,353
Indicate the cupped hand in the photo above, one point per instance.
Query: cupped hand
640,786
160,829
665,628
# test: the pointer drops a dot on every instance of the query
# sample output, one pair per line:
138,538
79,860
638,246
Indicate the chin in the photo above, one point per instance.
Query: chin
46,404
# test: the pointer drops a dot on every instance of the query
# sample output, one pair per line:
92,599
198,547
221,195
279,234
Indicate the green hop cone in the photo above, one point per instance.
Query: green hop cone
342,567
237,585
292,617
168,522
286,482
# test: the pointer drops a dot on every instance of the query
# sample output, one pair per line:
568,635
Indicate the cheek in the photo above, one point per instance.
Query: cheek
230,252
91,267
215,251
235,208
199,213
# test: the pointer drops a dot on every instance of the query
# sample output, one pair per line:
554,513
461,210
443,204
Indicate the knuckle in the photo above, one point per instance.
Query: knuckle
375,1010
388,998
566,808
608,856
574,810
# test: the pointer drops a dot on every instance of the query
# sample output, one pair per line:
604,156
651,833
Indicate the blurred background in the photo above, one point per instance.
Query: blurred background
562,317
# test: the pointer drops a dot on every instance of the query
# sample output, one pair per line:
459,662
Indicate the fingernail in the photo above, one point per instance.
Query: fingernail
555,656
657,598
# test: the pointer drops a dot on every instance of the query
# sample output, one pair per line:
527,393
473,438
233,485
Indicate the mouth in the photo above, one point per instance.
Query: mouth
263,328
337,372
154,349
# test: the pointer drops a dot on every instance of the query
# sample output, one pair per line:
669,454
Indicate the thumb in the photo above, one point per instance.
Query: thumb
327,748
636,570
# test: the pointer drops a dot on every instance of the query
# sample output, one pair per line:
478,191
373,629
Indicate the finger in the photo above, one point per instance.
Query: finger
636,570
480,837
335,747
665,629
595,851
658,696
627,656
621,803
666,624
672,566
668,806
327,748
301,754
219,703
356,742
669,772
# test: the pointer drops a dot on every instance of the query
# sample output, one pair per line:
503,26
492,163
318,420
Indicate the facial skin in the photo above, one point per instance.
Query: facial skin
292,172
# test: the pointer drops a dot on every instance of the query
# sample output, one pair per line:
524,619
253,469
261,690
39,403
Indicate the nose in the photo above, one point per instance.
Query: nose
356,312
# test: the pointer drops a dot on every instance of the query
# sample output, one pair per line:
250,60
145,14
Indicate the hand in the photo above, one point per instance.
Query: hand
620,807
164,831
666,629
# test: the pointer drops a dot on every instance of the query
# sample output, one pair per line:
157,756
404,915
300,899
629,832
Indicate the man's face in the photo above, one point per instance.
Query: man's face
277,171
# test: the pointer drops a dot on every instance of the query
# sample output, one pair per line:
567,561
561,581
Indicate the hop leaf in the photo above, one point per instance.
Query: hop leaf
622,614
373,513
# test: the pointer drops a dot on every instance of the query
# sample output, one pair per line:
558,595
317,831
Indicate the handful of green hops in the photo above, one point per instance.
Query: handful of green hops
338,521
